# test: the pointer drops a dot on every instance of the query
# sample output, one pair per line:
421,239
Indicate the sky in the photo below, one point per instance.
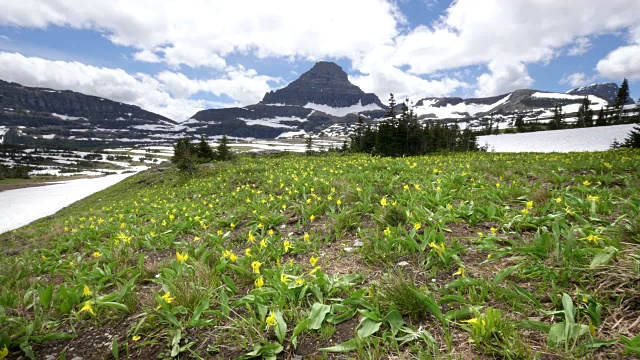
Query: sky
178,57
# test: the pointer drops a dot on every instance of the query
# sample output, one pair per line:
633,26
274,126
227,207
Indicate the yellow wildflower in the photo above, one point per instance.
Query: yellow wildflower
591,238
313,260
247,252
313,271
593,198
263,244
525,211
135,337
529,204
406,187
250,237
338,202
383,202
86,291
259,282
417,226
439,248
586,183
284,278
493,230
306,237
233,257
256,266
387,231
271,320
87,307
497,185
287,245
270,232
97,254
312,217
167,297
182,257
558,200
459,272
299,281
43,257
4,352
417,187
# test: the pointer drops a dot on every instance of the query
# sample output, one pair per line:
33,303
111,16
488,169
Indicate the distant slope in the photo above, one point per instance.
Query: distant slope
44,117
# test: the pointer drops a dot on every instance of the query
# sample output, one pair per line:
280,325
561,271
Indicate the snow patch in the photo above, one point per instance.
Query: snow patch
584,139
343,111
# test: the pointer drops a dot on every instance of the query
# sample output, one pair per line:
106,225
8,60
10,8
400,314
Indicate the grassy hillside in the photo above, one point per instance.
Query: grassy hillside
449,256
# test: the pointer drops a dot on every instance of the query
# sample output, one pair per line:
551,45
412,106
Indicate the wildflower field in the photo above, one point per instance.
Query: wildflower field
472,255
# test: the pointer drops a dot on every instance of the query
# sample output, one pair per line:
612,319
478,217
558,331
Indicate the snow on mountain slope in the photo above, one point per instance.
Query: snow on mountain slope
583,139
343,111
455,111
596,102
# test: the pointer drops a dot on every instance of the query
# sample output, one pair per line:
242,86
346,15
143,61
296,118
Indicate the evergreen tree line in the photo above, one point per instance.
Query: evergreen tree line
611,115
187,155
402,134
14,172
632,141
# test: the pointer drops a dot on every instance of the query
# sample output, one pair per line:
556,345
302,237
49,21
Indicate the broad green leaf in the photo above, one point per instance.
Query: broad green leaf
281,326
303,325
46,295
569,309
527,294
604,257
464,312
346,346
318,313
395,321
368,327
114,305
503,274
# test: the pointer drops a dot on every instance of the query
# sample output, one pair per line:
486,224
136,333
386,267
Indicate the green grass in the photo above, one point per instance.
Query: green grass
292,254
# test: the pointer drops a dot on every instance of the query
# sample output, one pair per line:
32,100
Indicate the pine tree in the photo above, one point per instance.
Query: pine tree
520,123
204,151
556,122
223,152
602,120
184,155
621,99
583,112
309,144
633,140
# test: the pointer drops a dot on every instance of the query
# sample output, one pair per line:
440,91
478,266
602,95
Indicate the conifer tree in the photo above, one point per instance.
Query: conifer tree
309,144
204,151
633,140
223,152
184,155
601,120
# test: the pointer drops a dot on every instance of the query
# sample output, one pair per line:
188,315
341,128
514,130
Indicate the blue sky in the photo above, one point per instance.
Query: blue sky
176,58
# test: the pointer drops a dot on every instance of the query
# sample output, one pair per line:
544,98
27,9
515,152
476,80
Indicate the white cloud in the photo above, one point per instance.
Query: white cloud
577,79
145,55
166,94
202,33
504,78
620,63
581,46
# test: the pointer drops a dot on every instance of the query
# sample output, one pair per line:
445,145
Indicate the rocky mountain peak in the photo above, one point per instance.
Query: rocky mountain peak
326,83
607,91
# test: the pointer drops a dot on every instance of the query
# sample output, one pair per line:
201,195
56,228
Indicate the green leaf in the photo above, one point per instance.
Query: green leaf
533,325
451,299
114,305
46,295
346,346
556,334
604,257
431,305
115,348
303,325
525,293
503,274
368,327
224,302
569,309
175,343
232,286
464,282
53,336
395,321
464,312
27,350
318,313
281,326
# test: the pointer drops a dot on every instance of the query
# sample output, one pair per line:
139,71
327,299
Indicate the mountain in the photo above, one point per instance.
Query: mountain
325,84
527,103
607,91
318,99
45,117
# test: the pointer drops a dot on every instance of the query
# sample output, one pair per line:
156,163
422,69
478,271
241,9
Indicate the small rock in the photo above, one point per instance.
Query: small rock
77,358
348,249
49,357
283,226
403,263
358,243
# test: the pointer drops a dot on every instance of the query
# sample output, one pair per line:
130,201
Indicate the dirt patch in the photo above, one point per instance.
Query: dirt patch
310,343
